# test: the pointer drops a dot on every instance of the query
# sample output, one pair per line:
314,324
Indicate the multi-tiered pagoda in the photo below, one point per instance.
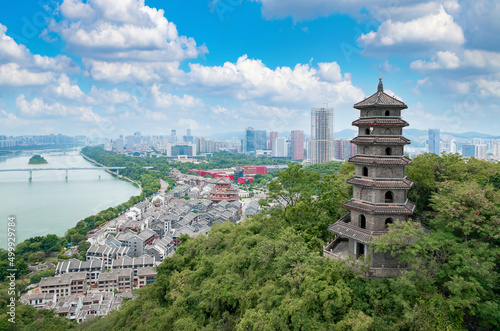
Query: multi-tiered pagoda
223,190
379,184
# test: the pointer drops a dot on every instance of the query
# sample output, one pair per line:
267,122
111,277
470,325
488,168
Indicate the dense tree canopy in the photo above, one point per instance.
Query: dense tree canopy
267,273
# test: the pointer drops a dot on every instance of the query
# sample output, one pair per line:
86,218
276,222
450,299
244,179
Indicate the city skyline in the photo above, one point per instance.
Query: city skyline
97,69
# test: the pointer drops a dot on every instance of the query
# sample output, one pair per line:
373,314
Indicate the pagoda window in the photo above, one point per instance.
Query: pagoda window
388,151
387,222
361,250
365,171
362,221
368,131
387,113
389,197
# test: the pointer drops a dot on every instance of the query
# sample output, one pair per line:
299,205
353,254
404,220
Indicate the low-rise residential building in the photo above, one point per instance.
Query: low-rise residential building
120,280
65,285
92,267
133,263
38,300
145,277
130,239
147,236
104,252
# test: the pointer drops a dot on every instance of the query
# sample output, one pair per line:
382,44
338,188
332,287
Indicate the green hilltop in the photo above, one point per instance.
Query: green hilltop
37,159
268,273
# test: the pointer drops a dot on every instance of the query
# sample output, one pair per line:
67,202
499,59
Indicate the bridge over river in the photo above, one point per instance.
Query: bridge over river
66,169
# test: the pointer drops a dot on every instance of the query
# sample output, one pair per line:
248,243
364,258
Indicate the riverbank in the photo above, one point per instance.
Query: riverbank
111,172
56,204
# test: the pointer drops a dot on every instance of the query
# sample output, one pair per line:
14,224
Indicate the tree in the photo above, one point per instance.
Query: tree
468,210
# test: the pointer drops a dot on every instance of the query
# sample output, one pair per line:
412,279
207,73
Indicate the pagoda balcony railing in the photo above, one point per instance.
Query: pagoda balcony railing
381,135
357,228
346,218
381,203
380,178
380,116
334,251
389,156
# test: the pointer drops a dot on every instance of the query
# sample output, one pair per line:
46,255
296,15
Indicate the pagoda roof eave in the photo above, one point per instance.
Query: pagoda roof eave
380,161
380,121
381,209
380,140
381,184
380,99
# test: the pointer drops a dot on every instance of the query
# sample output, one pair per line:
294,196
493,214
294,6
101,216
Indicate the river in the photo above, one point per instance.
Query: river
49,203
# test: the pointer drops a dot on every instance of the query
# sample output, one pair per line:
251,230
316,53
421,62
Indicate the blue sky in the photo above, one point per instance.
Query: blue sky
103,68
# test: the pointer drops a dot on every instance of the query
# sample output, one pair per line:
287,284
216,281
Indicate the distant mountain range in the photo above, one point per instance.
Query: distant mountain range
412,134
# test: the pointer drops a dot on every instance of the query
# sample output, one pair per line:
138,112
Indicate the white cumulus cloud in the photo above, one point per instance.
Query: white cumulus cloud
127,30
37,108
437,28
442,60
250,79
167,100
12,74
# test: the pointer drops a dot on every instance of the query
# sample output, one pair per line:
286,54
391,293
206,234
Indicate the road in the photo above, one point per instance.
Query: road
164,185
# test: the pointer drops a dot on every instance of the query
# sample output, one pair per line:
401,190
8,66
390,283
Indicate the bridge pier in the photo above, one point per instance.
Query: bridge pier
66,174
31,175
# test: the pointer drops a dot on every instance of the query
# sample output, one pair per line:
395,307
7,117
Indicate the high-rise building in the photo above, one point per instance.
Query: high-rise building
272,136
348,149
433,140
481,152
185,150
468,150
307,151
137,138
322,135
379,185
337,147
120,144
296,141
254,140
188,138
130,142
496,149
173,136
453,146
279,147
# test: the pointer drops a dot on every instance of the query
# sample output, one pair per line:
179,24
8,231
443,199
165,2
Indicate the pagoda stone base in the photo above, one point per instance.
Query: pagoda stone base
380,265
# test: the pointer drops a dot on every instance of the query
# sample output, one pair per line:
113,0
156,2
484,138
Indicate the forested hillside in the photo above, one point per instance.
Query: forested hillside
268,273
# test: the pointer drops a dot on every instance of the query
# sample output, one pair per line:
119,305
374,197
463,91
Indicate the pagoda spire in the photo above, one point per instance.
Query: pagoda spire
380,85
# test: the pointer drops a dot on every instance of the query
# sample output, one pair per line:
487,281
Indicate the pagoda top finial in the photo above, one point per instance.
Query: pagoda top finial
380,85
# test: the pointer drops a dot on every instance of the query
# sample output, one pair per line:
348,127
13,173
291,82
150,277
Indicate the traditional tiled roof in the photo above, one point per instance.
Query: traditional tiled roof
380,121
381,209
381,183
344,228
380,99
380,140
380,161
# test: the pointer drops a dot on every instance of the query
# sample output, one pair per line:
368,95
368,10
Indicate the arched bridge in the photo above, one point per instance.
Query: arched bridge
66,169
